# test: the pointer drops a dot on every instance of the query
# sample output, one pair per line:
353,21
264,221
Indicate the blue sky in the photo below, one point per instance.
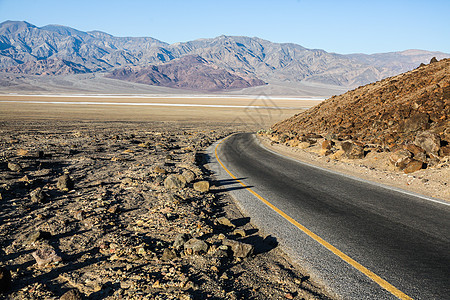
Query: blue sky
335,26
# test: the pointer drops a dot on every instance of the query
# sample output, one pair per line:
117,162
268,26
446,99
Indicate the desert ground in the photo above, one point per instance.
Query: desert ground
255,112
103,201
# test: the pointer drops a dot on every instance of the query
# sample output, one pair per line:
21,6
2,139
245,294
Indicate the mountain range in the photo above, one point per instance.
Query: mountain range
224,62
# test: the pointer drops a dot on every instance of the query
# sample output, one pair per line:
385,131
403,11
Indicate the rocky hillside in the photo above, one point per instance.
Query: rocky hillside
188,72
407,115
48,67
21,42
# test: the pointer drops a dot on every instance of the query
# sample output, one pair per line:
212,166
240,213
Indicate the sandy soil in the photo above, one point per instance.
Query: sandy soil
122,231
433,182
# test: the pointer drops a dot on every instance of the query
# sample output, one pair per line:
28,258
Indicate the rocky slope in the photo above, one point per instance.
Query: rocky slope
188,72
407,115
21,42
48,67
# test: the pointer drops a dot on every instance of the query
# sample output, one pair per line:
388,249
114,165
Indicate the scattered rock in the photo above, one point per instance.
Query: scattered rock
65,183
79,215
15,167
168,254
73,294
201,186
39,235
114,209
433,60
352,151
289,296
419,121
38,195
128,181
330,136
421,157
338,154
444,151
41,172
195,246
239,249
400,158
159,170
45,255
325,152
5,280
413,166
240,232
118,158
25,179
188,175
22,152
180,240
304,145
293,143
414,149
429,142
327,144
174,182
417,152
225,222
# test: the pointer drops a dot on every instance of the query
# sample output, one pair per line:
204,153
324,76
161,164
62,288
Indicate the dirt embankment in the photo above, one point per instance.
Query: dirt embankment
121,210
375,167
399,124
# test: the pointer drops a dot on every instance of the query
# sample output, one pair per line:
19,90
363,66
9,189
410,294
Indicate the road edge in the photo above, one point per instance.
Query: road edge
330,170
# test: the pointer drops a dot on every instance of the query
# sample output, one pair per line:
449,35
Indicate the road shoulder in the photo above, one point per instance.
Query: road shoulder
431,183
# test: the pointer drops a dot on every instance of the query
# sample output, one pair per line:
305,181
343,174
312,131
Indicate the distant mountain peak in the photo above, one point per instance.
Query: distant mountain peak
416,52
8,23
9,27
63,30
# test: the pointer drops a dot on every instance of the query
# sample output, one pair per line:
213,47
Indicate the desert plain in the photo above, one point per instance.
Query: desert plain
115,201
257,112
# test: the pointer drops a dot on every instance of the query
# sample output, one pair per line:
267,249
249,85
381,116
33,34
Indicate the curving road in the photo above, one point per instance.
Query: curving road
361,240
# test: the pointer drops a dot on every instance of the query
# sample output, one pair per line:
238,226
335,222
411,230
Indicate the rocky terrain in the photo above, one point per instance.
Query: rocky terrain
403,121
188,72
22,42
48,67
128,210
94,51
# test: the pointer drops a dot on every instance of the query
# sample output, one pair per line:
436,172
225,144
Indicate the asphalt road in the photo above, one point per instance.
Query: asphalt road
402,238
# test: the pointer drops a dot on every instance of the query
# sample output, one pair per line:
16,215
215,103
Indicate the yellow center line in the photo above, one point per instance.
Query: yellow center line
380,281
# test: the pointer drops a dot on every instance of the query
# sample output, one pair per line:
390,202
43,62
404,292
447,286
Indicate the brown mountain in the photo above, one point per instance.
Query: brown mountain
188,72
409,111
21,43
